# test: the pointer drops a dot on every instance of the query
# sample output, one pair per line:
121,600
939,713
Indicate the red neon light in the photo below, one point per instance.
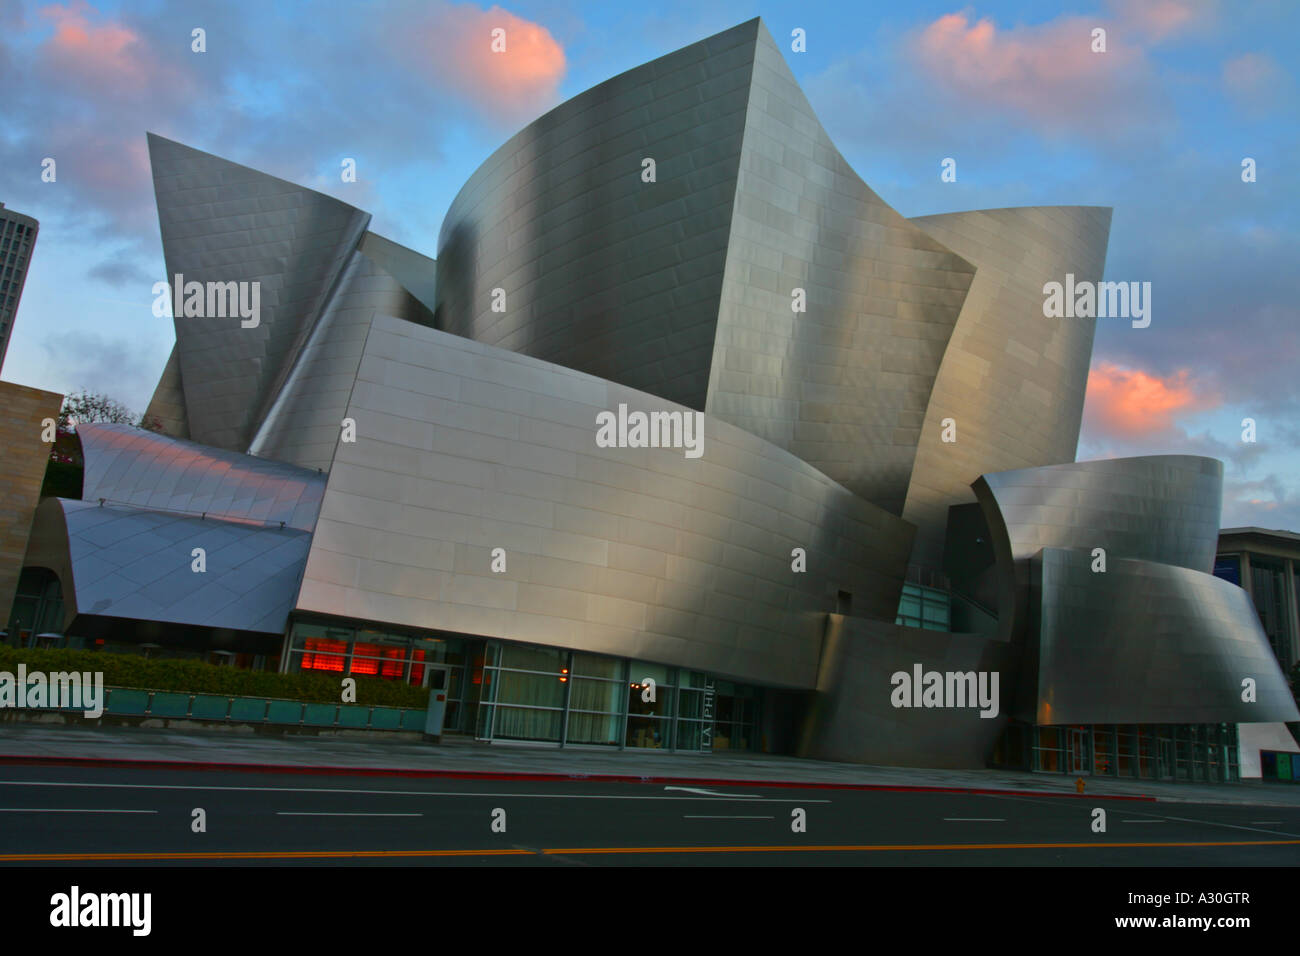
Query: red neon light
330,657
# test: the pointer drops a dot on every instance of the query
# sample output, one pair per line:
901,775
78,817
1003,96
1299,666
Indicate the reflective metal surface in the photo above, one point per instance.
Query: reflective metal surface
131,466
222,222
602,272
638,552
167,406
276,389
1147,643
683,287
1162,508
132,563
843,385
302,426
853,719
1011,379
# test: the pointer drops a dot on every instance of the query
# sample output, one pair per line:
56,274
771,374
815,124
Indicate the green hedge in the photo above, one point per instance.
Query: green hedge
197,677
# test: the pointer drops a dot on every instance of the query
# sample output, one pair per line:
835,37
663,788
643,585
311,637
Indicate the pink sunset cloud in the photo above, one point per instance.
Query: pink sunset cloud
96,53
1131,403
1163,18
458,49
1048,73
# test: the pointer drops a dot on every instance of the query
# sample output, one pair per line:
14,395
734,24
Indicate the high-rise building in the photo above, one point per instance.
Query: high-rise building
17,238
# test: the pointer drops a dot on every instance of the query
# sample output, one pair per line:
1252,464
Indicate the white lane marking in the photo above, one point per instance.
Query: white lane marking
53,810
313,813
690,816
397,793
975,819
1232,826
714,793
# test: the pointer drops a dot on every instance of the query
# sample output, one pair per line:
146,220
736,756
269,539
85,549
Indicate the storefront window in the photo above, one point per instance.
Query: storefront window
531,693
595,700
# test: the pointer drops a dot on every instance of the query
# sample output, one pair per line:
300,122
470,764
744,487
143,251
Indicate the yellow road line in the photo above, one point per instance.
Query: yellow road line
574,851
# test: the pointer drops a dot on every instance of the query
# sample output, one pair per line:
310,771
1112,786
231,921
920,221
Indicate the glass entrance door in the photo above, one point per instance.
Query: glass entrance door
1164,758
1080,758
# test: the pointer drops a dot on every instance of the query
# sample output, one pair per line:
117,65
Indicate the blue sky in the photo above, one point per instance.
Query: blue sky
1155,127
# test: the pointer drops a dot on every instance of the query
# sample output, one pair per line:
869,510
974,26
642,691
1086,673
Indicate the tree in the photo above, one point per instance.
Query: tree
64,473
85,408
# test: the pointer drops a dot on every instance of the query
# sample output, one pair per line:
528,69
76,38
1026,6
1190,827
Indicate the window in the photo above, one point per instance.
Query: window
649,722
1228,567
1268,584
595,700
530,688
929,608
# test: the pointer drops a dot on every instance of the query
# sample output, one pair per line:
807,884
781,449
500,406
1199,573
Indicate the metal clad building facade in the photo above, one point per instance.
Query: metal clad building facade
400,467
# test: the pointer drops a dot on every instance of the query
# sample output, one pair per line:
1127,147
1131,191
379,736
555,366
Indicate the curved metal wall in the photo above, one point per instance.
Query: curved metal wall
683,287
1161,508
1011,379
1147,643
303,425
222,222
636,552
602,272
853,718
167,406
132,466
843,385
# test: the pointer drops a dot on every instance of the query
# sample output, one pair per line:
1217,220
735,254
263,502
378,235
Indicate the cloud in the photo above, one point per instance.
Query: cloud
1255,81
100,55
123,368
1046,75
121,269
382,85
454,44
1161,19
1266,502
1131,403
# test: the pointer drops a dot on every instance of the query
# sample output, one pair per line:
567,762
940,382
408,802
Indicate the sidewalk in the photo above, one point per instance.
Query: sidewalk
458,756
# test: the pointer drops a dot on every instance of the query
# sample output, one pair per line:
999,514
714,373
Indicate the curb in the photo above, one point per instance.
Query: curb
174,765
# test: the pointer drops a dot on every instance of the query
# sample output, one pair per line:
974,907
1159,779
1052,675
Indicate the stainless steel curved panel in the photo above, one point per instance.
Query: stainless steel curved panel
167,406
303,424
462,448
1148,643
137,564
853,718
843,385
222,222
1012,380
603,272
1162,508
132,466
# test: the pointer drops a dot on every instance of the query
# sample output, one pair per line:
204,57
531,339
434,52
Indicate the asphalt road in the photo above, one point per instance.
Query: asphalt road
115,816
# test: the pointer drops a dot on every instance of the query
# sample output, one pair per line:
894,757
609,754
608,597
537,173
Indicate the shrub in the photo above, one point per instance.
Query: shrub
198,677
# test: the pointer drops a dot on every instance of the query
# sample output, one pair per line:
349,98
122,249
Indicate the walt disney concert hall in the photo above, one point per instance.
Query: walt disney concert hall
883,552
